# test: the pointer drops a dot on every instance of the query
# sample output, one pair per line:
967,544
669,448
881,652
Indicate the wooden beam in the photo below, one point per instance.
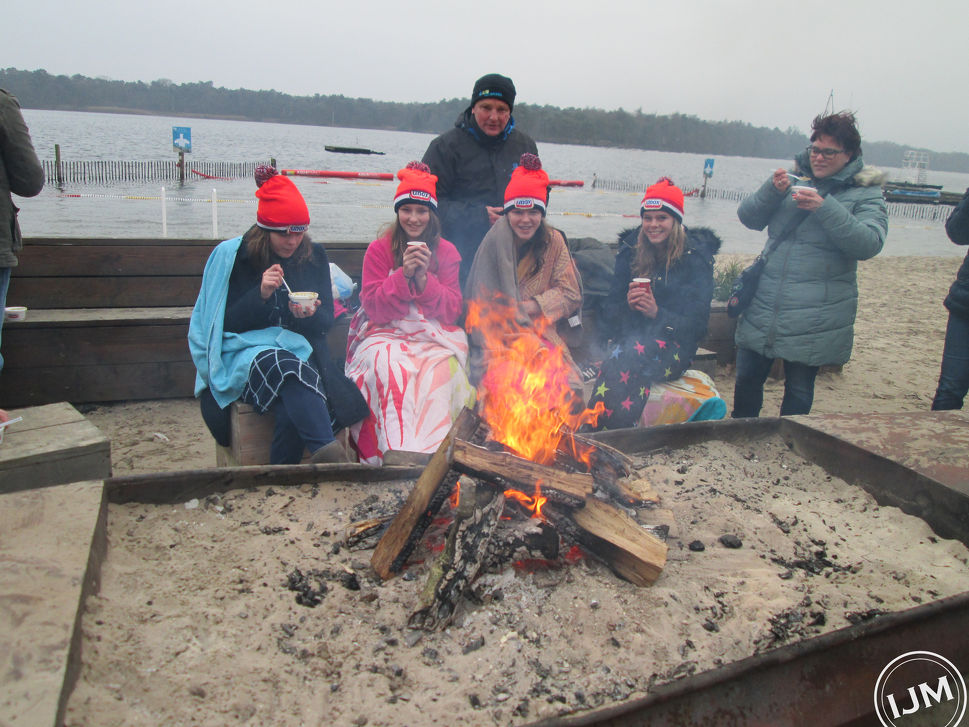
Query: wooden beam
507,470
431,489
620,541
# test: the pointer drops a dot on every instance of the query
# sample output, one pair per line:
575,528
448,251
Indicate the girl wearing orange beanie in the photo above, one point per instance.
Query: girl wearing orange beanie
654,327
525,260
250,343
404,351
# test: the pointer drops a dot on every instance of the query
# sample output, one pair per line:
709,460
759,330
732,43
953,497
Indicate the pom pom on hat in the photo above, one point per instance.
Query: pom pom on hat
494,85
664,196
528,186
263,172
281,207
417,186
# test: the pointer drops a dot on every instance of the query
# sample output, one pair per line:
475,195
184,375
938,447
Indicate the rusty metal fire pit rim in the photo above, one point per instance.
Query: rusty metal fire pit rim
873,644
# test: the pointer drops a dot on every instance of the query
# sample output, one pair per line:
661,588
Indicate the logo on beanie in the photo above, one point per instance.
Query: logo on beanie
524,203
420,194
653,204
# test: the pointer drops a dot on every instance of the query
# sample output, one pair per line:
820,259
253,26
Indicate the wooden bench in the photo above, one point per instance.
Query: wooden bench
107,319
53,445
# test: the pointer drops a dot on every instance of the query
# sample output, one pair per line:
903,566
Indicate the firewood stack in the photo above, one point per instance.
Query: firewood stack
578,503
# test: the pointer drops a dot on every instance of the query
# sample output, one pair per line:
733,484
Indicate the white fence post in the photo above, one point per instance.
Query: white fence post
215,215
164,215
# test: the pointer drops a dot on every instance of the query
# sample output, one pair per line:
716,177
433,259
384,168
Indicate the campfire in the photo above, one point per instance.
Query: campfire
522,482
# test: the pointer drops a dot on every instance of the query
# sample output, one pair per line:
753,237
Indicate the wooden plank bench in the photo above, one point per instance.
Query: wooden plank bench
107,319
53,445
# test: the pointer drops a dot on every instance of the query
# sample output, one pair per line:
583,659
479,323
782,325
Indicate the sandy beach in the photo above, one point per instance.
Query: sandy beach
894,367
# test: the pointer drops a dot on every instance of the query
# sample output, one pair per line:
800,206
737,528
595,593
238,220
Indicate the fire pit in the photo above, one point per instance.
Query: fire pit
240,602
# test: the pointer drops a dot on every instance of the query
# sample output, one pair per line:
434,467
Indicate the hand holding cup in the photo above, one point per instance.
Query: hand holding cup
417,257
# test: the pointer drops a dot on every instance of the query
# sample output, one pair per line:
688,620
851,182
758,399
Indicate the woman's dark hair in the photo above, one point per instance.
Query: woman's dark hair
841,127
399,239
260,252
538,244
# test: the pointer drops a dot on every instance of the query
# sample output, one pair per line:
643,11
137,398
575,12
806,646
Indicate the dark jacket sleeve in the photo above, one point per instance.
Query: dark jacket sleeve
957,226
615,308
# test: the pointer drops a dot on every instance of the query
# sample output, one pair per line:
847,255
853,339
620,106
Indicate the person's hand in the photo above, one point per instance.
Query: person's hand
415,262
808,199
494,214
641,299
4,417
781,180
299,311
531,308
272,278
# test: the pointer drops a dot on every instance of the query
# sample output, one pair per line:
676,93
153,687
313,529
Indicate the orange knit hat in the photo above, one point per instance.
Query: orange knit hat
417,186
528,186
664,196
281,207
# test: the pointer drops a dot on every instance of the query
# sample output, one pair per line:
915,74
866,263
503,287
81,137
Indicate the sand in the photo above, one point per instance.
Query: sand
196,623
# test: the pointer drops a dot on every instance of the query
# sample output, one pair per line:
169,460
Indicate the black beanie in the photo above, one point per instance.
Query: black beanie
494,85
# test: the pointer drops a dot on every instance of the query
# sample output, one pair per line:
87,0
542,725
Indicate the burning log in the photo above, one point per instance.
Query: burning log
507,471
431,490
635,554
477,515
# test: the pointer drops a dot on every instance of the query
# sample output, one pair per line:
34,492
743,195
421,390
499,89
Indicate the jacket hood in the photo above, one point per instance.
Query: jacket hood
701,239
855,173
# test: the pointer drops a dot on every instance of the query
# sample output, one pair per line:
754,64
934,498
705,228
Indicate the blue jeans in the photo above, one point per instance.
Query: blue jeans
4,284
302,420
752,371
954,377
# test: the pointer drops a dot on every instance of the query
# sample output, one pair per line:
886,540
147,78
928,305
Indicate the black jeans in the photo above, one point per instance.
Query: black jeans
752,371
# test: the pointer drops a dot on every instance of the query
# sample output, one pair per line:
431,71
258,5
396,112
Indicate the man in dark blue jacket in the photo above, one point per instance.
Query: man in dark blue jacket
473,163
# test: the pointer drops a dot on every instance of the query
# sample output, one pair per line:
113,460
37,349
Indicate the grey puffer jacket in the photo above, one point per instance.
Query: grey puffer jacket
806,301
20,173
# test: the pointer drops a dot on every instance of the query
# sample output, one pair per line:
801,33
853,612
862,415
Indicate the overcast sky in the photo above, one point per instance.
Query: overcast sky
903,66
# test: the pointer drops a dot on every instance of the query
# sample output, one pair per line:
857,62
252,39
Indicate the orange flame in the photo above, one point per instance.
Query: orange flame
524,396
532,503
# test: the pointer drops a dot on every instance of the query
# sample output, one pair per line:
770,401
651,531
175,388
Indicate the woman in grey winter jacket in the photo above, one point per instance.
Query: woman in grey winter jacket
823,223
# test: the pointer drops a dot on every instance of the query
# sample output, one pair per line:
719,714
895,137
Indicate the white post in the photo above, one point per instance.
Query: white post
164,215
215,215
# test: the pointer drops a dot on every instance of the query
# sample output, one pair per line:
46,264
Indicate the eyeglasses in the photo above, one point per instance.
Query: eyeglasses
817,151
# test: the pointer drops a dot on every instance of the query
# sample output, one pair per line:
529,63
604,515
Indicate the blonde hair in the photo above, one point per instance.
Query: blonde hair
649,256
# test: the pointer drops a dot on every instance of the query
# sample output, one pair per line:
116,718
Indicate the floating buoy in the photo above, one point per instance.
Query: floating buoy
566,183
340,175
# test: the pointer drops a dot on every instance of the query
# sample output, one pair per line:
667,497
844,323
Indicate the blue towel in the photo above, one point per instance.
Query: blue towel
222,360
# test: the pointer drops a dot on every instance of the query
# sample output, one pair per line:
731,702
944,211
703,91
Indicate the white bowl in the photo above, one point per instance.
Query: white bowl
305,299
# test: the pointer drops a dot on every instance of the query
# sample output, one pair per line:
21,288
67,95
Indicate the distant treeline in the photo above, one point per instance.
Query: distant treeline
638,130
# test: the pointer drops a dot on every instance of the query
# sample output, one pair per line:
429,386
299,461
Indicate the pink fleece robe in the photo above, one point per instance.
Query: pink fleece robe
386,294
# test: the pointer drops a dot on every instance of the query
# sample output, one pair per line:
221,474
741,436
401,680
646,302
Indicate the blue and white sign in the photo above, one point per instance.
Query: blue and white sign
708,168
182,139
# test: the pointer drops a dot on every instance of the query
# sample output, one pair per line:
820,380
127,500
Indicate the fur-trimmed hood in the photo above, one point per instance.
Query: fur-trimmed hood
701,239
855,172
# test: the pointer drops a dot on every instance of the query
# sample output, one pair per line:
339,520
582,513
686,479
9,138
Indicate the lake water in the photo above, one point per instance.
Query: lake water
356,209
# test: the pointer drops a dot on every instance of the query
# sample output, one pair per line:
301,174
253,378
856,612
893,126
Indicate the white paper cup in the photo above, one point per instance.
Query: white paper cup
798,188
416,243
305,300
14,313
